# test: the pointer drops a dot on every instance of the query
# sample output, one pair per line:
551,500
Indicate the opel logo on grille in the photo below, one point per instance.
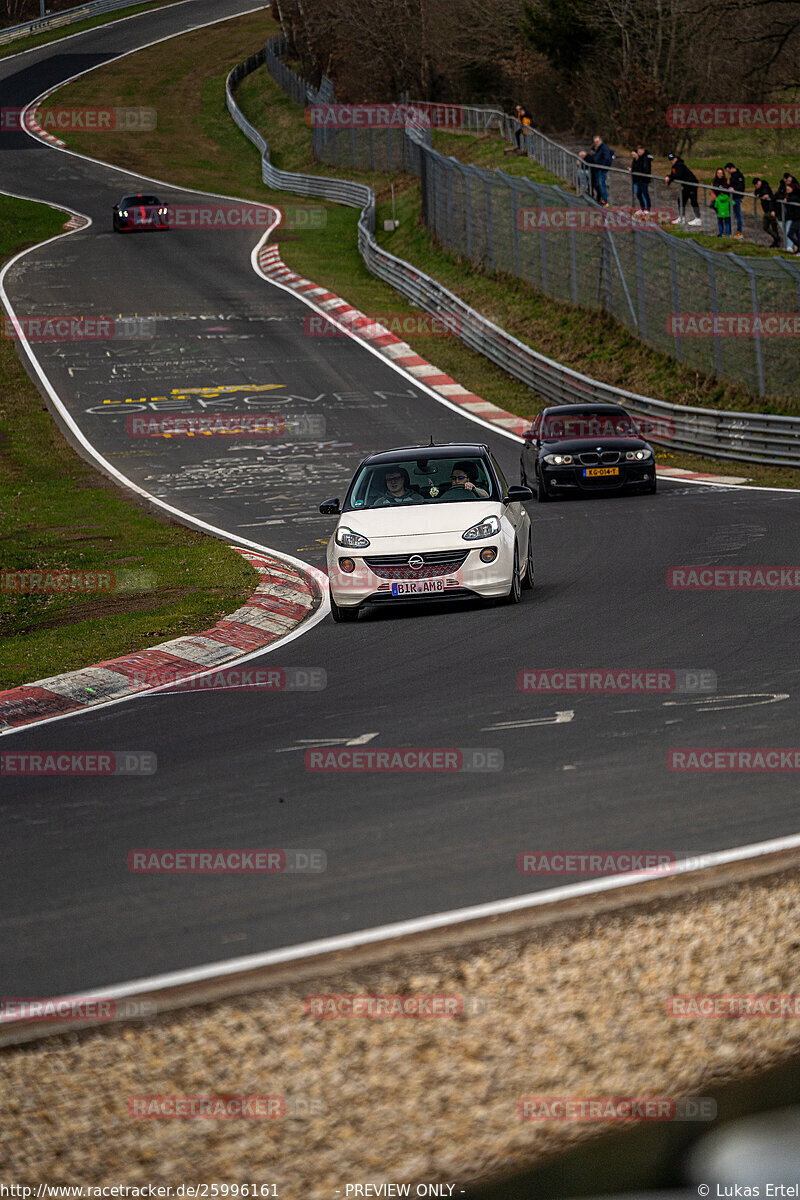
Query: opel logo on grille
415,562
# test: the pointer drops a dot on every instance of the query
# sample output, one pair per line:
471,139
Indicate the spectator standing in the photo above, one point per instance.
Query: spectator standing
603,156
641,169
721,203
737,194
590,173
524,122
790,206
769,221
687,194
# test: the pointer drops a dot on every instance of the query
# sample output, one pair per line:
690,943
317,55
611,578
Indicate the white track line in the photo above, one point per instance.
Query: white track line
365,937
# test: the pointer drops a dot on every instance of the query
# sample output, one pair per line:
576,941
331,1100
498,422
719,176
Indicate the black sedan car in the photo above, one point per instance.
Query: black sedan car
578,449
142,211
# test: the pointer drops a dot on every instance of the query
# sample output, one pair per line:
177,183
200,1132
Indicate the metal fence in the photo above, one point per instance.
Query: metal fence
68,17
733,435
670,292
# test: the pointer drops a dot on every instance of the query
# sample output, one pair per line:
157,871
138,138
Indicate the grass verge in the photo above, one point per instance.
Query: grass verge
57,513
197,145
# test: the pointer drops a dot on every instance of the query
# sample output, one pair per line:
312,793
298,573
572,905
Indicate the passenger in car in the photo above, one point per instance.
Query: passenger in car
397,489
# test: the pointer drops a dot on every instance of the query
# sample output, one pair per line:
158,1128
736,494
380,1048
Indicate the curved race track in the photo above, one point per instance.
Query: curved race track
230,764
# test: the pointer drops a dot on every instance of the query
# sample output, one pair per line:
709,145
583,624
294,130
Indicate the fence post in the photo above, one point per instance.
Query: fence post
489,223
758,349
641,298
673,279
467,209
448,167
712,293
514,224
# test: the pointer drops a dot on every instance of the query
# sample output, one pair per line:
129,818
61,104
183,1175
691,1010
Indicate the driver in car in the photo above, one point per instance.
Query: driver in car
397,489
464,477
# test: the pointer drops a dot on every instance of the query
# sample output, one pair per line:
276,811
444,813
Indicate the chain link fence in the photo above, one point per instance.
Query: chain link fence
723,314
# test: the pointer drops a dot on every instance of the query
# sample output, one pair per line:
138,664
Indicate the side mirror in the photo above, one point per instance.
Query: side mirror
330,508
530,437
517,495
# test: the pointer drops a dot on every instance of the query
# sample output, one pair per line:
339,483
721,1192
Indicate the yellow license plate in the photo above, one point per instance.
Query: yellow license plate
600,471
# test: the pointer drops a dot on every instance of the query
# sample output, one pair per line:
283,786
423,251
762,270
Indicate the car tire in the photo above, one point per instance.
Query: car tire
527,582
651,491
515,591
340,614
541,494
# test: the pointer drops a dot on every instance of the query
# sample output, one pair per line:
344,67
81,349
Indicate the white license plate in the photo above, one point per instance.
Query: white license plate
418,587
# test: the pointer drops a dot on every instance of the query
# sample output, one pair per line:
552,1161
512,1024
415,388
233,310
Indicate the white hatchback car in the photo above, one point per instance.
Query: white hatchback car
428,523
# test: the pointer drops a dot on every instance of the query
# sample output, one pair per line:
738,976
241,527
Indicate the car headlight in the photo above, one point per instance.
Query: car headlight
558,460
638,455
347,537
124,212
488,527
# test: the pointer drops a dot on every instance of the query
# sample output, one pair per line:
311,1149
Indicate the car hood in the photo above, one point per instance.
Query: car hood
413,520
582,445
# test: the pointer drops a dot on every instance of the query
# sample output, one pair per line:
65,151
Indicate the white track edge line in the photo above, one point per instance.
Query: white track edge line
398,929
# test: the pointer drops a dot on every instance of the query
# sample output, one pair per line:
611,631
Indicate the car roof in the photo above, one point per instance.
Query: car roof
587,406
448,450
137,196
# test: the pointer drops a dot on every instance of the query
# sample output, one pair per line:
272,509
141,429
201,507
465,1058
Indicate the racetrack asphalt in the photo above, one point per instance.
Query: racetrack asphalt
230,763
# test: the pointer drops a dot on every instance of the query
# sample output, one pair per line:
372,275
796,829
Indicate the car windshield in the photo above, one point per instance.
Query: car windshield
588,424
132,201
422,481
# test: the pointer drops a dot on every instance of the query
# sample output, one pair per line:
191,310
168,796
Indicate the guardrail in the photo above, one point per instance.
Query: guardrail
749,437
68,17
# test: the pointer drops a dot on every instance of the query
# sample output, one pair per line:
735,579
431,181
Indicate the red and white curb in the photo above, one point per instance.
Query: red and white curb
77,222
699,476
367,329
283,599
33,126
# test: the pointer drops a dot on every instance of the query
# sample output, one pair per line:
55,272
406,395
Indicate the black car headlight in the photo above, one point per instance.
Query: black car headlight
558,460
638,455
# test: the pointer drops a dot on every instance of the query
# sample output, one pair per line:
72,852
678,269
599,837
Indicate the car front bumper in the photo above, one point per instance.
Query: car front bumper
372,581
572,479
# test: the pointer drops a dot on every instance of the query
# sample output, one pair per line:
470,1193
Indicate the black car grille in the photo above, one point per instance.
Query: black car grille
606,458
436,562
